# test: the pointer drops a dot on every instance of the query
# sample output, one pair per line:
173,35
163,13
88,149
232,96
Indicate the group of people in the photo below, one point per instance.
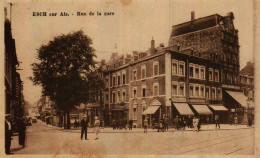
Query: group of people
76,124
122,124
84,127
21,129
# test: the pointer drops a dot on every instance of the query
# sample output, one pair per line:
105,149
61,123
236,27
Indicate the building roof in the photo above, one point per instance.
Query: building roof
198,24
248,69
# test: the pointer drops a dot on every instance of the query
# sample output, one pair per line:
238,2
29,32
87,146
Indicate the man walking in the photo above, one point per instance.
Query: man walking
217,121
21,131
84,128
145,125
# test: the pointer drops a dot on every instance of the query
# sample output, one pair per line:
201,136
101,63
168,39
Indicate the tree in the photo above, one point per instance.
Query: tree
65,63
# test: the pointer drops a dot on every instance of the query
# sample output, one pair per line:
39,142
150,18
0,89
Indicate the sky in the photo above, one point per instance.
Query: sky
131,28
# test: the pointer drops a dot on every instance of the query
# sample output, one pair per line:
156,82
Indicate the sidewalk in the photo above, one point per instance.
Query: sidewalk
208,127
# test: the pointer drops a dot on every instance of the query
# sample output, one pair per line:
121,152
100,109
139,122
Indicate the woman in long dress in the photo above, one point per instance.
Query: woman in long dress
96,128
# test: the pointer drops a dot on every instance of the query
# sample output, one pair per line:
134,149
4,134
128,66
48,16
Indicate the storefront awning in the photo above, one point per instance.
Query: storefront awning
218,108
151,110
202,109
239,97
183,108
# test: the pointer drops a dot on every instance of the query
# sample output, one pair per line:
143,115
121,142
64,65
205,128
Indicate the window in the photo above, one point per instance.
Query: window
124,77
191,70
181,89
174,67
114,80
143,71
134,114
207,92
213,93
210,56
156,68
118,96
135,92
216,75
134,74
174,88
143,91
219,96
181,68
191,90
197,90
114,97
118,79
202,91
156,89
123,96
210,74
197,72
202,72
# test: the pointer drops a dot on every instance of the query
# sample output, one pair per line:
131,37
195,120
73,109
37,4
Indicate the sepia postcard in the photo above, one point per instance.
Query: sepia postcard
129,78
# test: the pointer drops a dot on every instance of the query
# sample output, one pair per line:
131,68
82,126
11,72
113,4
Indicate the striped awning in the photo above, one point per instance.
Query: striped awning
202,109
183,108
218,108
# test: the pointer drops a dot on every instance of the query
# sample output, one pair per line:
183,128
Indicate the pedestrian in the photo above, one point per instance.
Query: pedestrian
230,120
8,134
117,124
175,122
125,124
183,124
75,123
84,128
145,125
130,124
180,123
217,122
195,123
114,124
166,123
96,127
235,120
21,131
199,123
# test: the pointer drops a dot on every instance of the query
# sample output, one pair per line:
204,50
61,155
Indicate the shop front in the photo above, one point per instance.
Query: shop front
204,113
153,113
220,111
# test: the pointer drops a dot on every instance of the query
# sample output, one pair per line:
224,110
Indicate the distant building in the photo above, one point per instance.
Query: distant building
247,80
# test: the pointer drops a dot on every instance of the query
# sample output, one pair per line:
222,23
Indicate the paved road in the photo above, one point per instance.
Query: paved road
45,140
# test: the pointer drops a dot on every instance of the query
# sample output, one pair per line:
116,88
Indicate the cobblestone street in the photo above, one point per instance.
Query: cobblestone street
42,139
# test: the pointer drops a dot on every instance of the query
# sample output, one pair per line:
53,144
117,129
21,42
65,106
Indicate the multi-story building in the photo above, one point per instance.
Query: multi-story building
197,74
247,80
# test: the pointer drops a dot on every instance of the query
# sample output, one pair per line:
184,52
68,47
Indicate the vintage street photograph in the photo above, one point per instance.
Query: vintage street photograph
128,77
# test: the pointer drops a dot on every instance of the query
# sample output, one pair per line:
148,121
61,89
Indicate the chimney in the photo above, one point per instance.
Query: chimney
192,15
152,50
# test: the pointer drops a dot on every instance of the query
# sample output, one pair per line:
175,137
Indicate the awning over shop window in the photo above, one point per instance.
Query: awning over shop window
151,110
239,97
218,108
202,109
183,108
